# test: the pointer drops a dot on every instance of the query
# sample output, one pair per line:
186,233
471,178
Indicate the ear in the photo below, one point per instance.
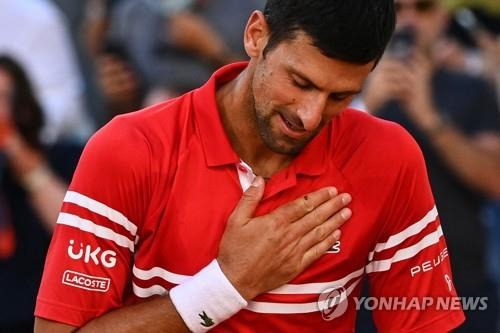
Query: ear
256,34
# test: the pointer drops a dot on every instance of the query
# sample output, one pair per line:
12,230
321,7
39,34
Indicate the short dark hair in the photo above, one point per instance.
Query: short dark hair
355,31
26,111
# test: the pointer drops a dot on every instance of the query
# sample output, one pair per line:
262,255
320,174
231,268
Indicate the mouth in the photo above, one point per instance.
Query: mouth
291,129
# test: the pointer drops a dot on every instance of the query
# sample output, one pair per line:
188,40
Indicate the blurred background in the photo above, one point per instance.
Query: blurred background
67,67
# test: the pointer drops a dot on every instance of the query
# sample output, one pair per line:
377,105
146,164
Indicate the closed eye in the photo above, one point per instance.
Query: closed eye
302,85
340,97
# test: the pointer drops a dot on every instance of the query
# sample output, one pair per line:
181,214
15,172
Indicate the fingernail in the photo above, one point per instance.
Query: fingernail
258,181
345,213
333,191
346,198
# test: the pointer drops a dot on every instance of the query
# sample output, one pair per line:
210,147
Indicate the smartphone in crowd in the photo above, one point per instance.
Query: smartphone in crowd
402,43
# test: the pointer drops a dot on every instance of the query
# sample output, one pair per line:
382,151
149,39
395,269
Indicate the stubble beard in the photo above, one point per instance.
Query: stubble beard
272,141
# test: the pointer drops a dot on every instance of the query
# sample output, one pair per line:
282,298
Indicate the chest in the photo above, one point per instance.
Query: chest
186,234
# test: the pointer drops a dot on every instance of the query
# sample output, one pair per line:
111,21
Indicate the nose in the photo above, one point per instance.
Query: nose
311,112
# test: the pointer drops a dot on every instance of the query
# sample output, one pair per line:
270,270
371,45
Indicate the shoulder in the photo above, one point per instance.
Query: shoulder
141,137
157,124
371,140
384,165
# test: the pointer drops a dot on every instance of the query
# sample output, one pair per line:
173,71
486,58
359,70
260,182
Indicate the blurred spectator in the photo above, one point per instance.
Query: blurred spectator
491,218
490,47
176,44
96,23
119,82
451,115
475,48
75,13
31,193
477,51
120,85
35,34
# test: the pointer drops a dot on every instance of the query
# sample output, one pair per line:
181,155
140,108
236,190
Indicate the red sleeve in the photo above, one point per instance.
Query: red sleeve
87,270
410,264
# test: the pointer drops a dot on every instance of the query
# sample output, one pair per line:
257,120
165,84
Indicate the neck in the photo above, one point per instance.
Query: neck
236,107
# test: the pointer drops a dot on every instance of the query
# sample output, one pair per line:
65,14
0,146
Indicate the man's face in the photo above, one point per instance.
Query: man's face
297,90
427,17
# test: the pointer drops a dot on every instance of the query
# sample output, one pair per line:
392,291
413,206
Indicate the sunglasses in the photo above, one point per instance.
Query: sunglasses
421,6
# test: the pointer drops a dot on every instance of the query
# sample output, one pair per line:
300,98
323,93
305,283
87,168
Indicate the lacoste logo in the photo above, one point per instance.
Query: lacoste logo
207,321
84,281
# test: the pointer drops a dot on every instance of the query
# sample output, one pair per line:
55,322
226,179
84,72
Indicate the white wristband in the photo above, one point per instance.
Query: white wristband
206,299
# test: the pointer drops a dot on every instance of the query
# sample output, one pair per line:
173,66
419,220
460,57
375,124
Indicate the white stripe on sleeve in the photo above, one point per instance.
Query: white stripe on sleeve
97,230
406,253
412,230
161,273
101,209
148,292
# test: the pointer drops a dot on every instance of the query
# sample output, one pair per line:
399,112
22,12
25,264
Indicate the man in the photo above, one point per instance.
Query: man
156,197
455,119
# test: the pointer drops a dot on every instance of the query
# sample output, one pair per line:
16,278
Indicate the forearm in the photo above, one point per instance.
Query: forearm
155,315
95,26
193,33
203,301
46,195
45,190
477,167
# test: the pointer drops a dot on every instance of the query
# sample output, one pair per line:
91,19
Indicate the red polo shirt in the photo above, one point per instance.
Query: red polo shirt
153,190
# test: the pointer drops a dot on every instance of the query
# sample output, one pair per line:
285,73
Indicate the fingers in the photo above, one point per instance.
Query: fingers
315,252
116,78
321,214
323,230
298,208
249,201
389,81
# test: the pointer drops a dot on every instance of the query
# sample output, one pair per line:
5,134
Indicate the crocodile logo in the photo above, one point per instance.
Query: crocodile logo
207,321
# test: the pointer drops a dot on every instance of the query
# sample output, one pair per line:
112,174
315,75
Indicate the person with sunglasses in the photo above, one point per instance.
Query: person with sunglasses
455,119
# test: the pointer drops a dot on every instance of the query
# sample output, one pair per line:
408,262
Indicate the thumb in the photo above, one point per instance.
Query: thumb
250,200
